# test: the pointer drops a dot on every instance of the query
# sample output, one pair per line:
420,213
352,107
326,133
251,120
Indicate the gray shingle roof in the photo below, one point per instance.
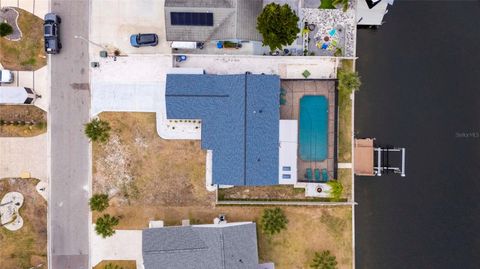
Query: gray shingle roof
232,19
240,123
201,247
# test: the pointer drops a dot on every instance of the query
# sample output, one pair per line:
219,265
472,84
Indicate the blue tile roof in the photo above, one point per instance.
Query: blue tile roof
240,122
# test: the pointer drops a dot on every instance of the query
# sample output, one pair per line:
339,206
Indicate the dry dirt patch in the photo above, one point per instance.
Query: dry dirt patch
28,120
26,247
137,167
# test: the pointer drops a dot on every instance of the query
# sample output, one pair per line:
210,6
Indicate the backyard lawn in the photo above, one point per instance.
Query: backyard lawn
27,247
151,178
27,53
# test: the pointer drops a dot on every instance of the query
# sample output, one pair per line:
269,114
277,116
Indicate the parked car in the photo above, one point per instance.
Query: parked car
144,40
6,76
51,33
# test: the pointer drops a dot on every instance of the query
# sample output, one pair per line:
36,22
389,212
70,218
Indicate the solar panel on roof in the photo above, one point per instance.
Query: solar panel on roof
191,18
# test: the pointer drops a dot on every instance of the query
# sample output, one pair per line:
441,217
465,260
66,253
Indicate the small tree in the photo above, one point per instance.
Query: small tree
99,202
278,25
98,130
5,29
348,82
105,224
324,260
273,221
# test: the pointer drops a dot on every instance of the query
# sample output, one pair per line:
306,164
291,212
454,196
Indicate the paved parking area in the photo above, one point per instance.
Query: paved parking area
290,67
24,154
113,21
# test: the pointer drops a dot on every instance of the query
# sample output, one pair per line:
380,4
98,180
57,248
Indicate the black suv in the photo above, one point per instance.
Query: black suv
51,33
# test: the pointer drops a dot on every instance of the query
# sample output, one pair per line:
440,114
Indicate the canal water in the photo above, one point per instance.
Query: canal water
421,90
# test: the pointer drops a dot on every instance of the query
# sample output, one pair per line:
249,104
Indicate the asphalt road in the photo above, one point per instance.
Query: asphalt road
69,148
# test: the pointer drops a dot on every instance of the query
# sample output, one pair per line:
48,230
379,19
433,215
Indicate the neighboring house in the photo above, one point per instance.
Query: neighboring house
17,95
371,12
240,117
207,20
210,246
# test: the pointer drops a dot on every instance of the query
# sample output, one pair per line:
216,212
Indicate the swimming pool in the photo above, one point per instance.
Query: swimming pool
313,128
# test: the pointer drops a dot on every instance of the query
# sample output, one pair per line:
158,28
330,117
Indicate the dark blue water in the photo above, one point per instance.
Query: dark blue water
421,90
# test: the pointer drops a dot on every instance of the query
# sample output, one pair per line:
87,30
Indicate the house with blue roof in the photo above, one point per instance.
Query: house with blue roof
240,118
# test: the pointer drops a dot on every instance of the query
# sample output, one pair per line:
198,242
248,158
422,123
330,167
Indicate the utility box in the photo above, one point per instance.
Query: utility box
103,54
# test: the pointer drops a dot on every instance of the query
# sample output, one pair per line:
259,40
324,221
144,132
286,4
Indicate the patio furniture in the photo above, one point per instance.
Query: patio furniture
324,175
308,174
317,174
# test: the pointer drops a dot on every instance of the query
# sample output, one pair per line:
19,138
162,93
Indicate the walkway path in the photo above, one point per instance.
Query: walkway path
37,7
10,15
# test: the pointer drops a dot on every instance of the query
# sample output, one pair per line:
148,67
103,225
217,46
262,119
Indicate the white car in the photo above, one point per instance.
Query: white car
6,76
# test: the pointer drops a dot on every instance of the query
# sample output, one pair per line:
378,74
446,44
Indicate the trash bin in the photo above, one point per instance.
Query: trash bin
94,64
103,54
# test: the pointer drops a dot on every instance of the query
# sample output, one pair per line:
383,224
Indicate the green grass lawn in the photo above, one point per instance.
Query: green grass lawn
345,121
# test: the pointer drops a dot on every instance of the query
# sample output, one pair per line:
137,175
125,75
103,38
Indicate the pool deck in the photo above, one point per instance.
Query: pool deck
295,90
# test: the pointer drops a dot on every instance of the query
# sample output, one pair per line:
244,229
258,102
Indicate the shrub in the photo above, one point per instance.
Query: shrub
99,202
5,29
112,266
337,189
324,260
273,221
348,82
98,130
278,25
105,224
344,4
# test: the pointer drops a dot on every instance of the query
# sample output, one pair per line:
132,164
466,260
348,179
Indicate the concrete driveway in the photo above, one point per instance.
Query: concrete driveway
134,83
113,21
123,245
37,80
24,154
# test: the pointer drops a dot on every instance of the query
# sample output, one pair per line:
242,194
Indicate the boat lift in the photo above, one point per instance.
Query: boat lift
373,160
382,164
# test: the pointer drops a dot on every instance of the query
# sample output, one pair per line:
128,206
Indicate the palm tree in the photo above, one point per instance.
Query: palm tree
324,260
99,202
98,130
273,221
348,81
105,224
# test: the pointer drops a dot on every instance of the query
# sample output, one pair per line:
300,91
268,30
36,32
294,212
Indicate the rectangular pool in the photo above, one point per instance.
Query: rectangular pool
313,127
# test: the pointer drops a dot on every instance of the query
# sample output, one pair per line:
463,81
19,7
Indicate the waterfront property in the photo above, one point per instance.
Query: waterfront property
250,128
